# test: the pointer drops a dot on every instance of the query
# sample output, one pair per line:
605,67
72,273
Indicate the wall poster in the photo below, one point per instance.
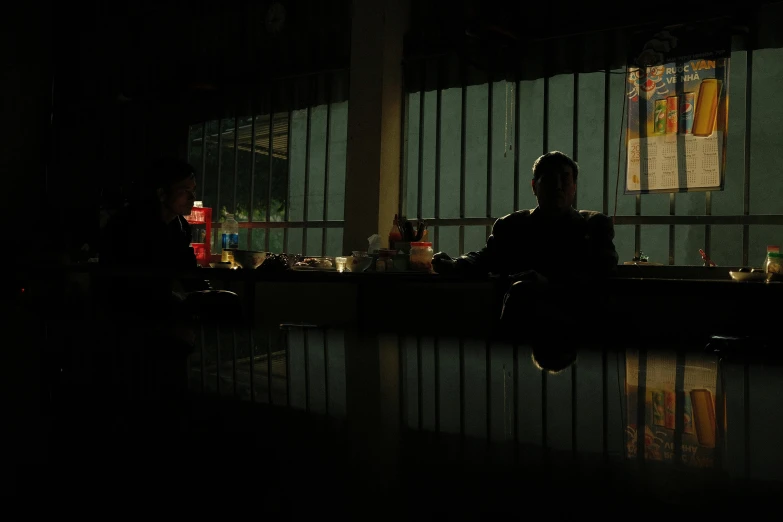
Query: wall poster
678,93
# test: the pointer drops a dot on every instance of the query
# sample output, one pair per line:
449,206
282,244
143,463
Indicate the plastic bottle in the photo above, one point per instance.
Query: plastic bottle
773,264
394,233
230,231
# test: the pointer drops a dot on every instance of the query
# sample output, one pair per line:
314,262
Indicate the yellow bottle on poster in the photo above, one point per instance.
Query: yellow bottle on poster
706,107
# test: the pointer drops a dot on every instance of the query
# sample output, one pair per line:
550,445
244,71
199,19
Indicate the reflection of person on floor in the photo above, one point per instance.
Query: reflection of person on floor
152,234
551,358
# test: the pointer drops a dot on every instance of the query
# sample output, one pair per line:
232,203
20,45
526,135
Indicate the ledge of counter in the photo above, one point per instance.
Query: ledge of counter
615,309
674,272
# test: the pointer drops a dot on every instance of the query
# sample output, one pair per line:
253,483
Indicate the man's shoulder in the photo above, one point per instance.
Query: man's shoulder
594,217
515,218
597,224
522,218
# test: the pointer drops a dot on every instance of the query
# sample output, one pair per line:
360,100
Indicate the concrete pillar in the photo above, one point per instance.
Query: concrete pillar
372,178
372,184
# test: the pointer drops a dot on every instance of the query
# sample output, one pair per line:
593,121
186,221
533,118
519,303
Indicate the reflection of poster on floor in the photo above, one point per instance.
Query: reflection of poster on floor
660,416
677,121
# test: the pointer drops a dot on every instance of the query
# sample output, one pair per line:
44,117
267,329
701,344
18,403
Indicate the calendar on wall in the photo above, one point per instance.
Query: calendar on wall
685,163
677,118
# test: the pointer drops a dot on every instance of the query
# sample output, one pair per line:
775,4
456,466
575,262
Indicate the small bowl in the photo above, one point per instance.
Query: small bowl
249,259
315,263
360,261
221,264
748,276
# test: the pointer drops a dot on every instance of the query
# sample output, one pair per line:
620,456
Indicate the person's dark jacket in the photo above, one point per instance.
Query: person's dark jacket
577,244
137,239
133,236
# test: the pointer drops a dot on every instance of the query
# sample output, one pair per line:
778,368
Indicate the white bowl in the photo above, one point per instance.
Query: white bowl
249,259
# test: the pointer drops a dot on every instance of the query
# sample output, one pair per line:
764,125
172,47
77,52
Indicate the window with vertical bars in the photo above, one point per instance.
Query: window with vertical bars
469,151
280,172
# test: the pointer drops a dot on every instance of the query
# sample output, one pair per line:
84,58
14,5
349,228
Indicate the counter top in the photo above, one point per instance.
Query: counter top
618,307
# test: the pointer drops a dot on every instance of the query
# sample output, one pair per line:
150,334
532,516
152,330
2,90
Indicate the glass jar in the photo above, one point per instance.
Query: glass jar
385,261
773,263
421,256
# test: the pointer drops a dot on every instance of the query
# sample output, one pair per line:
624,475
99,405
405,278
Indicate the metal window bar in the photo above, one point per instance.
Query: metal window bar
607,101
216,214
707,228
546,116
746,185
679,86
288,176
204,161
490,89
644,155
252,177
420,181
438,113
637,231
463,160
759,219
308,139
765,219
288,173
236,167
517,99
271,160
288,224
327,95
575,135
404,125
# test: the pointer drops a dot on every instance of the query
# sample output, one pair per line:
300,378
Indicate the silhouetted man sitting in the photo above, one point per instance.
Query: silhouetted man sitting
550,243
554,240
156,308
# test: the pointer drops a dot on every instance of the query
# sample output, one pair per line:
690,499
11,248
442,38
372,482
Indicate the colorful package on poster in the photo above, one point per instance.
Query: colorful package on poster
670,407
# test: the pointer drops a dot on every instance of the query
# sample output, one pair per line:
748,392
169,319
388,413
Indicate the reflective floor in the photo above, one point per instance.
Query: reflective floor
306,420
470,420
